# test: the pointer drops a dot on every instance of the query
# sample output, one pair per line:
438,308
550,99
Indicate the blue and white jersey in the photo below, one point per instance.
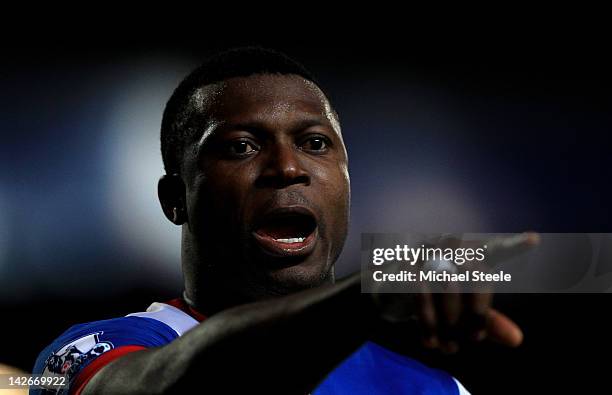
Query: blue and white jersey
84,349
373,369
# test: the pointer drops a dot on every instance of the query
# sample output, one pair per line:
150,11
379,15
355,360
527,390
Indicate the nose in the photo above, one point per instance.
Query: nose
283,167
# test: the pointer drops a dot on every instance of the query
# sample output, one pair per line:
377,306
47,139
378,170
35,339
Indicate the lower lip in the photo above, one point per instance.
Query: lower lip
280,249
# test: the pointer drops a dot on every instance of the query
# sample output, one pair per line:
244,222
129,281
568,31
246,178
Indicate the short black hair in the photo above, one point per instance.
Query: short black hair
236,62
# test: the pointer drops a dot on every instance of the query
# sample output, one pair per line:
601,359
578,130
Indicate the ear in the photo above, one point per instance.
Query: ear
172,196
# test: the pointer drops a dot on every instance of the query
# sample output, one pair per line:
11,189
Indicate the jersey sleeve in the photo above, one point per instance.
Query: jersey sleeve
84,349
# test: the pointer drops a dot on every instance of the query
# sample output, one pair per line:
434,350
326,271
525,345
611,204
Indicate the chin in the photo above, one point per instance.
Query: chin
296,278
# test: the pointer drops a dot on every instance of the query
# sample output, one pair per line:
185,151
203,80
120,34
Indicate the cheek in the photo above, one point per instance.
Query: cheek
347,180
336,187
221,188
229,180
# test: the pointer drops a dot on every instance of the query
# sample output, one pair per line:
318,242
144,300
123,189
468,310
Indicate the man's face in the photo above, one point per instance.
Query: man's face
267,186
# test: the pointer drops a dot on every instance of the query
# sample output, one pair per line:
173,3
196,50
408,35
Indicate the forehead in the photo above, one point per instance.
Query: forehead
261,98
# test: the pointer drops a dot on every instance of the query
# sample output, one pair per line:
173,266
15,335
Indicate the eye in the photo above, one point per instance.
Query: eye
240,148
315,144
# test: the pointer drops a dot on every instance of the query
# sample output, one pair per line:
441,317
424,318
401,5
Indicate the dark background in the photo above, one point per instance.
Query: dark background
452,135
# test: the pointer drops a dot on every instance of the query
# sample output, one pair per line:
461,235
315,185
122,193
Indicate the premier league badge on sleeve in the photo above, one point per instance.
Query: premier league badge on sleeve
72,357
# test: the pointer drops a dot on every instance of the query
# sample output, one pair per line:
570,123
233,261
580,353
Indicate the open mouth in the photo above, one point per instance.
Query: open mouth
287,232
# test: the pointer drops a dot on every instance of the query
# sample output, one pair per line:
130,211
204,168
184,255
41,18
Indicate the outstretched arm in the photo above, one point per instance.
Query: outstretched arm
288,345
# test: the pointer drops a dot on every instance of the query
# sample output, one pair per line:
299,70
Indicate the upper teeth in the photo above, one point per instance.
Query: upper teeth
292,240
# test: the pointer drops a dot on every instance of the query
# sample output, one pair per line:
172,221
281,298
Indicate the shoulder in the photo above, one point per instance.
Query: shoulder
97,343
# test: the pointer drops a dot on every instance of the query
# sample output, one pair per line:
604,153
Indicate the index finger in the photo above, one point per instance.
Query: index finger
499,248
505,247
